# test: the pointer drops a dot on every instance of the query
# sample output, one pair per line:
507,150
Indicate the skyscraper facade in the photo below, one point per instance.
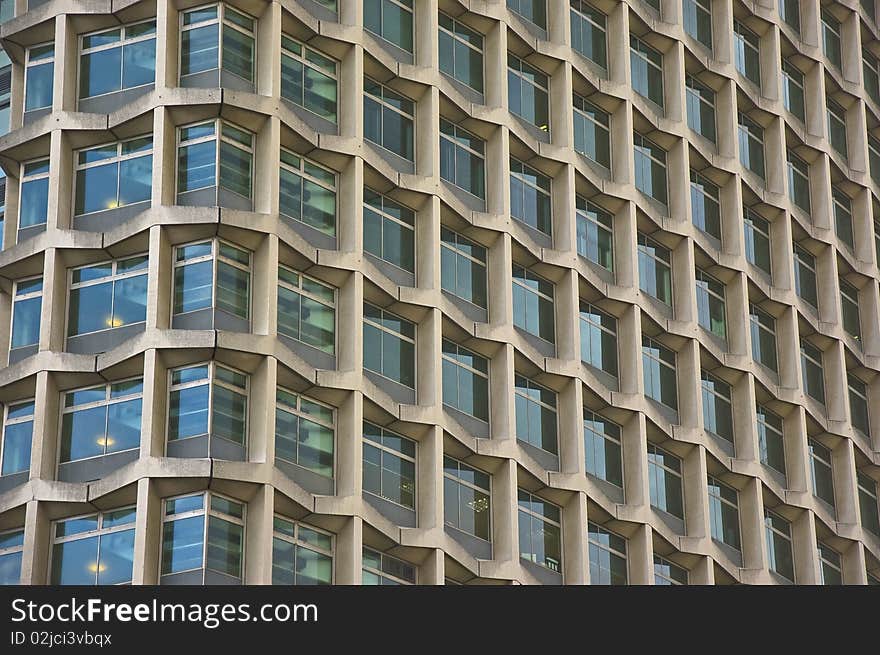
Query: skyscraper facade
428,291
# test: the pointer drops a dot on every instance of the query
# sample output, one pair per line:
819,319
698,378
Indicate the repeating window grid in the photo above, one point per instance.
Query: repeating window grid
798,180
405,6
312,172
793,95
811,364
843,223
659,354
291,402
216,256
387,562
777,527
534,78
299,542
139,270
849,306
763,324
746,46
220,18
805,275
382,99
285,274
586,111
12,544
593,322
37,55
585,12
647,148
217,135
520,278
708,196
869,510
698,92
789,12
757,240
668,574
692,10
125,39
378,325
24,291
32,171
207,510
137,151
602,545
542,519
836,126
721,495
657,470
820,468
871,77
23,411
751,145
651,59
534,11
457,478
767,423
380,445
830,571
454,31
595,441
461,139
111,397
100,531
709,289
523,388
830,37
455,243
210,380
451,352
715,392
594,222
309,57
655,258
858,404
405,222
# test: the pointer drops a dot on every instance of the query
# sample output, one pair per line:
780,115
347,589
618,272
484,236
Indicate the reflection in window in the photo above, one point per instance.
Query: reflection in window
94,550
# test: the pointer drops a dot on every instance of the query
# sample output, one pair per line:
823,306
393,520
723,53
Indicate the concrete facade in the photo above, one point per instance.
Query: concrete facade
354,520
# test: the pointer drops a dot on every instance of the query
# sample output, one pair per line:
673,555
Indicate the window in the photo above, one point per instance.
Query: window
602,448
830,572
208,269
382,569
592,132
202,158
535,414
705,205
533,304
874,159
203,532
762,327
462,267
389,466
308,78
820,467
208,399
117,59
304,432
588,32
849,306
757,240
858,404
711,311
843,222
307,193
2,205
202,48
700,101
114,175
461,52
868,509
530,197
650,168
836,126
94,550
871,75
466,499
595,240
598,338
658,372
388,119
655,269
27,301
39,74
306,310
665,481
793,89
831,37
534,11
301,554
607,555
811,370
790,12
646,70
799,181
751,144
391,20
717,406
11,549
771,443
668,574
698,20
527,92
465,381
33,201
805,275
389,346
101,420
5,91
462,159
15,449
779,550
389,230
746,50
108,295
540,531
724,513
